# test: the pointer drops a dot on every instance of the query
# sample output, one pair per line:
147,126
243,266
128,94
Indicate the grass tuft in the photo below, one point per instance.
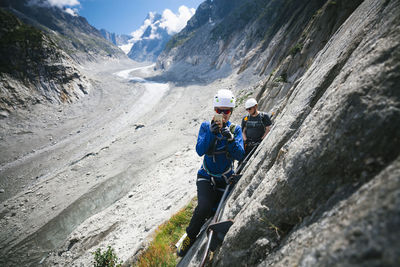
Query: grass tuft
296,49
162,251
282,78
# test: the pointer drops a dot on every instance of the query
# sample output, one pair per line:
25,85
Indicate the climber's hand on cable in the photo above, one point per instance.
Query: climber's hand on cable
227,133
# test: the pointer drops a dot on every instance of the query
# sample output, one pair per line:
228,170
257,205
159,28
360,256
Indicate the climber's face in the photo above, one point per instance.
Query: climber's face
252,111
225,111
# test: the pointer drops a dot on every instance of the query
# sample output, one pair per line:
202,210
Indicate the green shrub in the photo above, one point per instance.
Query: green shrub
178,40
296,49
282,78
106,258
241,99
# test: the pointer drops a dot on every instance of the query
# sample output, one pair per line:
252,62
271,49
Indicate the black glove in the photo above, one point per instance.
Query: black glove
227,133
214,127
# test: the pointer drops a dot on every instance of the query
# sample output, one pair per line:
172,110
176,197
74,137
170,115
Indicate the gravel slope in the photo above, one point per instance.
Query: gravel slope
106,170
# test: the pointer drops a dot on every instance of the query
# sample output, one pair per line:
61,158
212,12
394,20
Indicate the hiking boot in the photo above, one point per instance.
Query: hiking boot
185,246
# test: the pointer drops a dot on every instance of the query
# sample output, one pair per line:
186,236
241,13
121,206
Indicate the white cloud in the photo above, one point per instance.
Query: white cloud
175,23
63,3
73,12
139,32
66,5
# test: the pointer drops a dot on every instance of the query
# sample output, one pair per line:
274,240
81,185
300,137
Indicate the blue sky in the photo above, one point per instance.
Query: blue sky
122,16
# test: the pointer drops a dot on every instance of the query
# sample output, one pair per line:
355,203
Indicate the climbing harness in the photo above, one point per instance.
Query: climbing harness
222,175
212,182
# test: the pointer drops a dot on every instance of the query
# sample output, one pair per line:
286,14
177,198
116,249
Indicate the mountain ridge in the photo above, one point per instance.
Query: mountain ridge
73,34
50,72
117,39
34,69
152,41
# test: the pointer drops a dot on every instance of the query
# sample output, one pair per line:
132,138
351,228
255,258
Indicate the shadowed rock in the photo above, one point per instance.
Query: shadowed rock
322,189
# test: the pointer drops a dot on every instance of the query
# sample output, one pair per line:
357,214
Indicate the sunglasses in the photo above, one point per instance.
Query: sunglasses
249,108
225,111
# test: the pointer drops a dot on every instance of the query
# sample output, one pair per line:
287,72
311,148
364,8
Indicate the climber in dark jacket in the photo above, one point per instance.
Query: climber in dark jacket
255,126
220,142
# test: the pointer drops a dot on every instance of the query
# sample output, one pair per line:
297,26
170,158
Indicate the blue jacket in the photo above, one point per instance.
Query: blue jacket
218,163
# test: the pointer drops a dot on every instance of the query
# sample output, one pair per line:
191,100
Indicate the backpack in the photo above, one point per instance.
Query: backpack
262,115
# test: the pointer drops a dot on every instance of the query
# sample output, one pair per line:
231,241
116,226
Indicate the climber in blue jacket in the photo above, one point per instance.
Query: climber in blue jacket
220,142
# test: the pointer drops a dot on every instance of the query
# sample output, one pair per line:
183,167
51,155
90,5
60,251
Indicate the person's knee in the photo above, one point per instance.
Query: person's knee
204,207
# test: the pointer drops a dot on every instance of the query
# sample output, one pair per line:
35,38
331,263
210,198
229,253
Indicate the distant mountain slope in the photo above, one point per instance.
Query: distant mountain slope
227,35
146,43
150,39
117,39
208,33
33,68
72,33
41,47
153,40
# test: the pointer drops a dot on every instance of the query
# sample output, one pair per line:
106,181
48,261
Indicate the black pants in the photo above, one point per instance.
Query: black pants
207,203
249,146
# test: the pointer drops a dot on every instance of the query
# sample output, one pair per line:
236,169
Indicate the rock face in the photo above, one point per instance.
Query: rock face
33,68
73,34
41,47
117,39
252,37
323,189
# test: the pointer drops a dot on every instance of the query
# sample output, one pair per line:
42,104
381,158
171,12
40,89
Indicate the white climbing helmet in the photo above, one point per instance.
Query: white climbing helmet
251,102
224,98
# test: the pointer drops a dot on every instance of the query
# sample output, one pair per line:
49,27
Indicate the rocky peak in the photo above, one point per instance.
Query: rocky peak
151,41
117,39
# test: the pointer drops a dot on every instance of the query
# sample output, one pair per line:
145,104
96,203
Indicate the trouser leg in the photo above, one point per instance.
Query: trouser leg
249,147
247,150
206,200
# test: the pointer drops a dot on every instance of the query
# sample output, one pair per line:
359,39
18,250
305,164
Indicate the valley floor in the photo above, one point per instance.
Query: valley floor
105,170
